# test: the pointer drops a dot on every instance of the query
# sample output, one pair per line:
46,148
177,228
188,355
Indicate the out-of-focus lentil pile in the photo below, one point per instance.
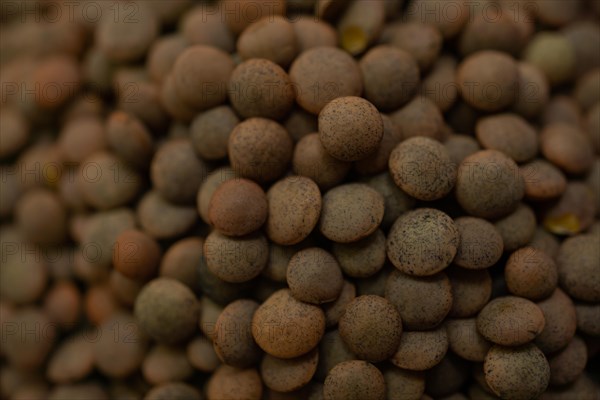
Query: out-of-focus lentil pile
301,199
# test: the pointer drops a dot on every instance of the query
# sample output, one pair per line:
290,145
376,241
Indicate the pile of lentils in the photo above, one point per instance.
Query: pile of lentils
301,199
